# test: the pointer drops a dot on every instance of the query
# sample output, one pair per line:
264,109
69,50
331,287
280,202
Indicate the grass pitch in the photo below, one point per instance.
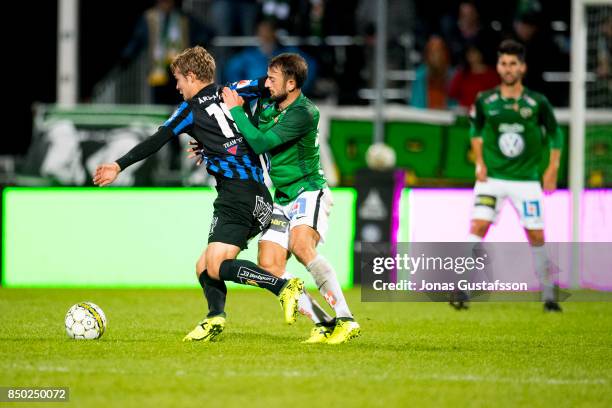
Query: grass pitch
410,354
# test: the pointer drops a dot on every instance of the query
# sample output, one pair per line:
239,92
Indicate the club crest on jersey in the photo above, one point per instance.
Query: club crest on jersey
526,112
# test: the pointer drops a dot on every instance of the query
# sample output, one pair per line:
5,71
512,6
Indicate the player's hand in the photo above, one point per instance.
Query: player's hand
195,151
481,171
231,98
106,173
549,180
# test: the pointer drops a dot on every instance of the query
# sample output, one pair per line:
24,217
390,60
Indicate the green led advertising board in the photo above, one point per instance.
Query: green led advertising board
130,237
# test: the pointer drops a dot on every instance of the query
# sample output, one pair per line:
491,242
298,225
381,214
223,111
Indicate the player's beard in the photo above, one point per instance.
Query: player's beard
280,97
511,80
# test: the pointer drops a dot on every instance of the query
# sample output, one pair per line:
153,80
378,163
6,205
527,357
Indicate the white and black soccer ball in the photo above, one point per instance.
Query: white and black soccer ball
85,321
380,156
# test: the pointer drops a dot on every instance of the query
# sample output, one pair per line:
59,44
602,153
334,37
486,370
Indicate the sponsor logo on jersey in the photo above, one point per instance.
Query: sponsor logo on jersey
232,142
511,128
511,144
298,208
243,83
531,208
232,146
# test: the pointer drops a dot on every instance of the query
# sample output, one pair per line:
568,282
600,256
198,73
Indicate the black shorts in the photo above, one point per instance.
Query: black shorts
243,209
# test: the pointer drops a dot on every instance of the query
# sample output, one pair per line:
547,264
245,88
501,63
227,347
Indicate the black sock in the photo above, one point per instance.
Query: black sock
215,292
247,273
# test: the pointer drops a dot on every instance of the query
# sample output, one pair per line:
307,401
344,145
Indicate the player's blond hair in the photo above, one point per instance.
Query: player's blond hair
196,60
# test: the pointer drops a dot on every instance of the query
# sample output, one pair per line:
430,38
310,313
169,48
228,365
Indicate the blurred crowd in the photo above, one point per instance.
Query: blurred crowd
441,53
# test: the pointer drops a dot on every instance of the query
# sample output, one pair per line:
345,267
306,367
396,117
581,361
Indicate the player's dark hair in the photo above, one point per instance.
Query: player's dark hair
196,60
512,47
292,66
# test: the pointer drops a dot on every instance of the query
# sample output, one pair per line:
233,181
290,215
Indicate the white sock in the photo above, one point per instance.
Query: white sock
327,282
540,260
309,307
474,238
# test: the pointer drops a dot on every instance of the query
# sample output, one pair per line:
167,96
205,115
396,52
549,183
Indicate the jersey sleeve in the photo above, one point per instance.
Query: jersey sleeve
477,118
146,148
259,141
250,89
549,122
293,125
181,120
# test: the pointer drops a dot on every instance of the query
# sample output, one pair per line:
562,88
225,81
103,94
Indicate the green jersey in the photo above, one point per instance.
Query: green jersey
290,137
515,133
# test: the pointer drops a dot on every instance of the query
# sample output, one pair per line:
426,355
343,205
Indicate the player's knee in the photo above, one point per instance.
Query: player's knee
273,267
200,267
304,250
479,227
536,237
213,263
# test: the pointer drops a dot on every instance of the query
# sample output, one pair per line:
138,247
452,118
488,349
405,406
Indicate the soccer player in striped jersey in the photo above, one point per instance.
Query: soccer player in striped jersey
243,207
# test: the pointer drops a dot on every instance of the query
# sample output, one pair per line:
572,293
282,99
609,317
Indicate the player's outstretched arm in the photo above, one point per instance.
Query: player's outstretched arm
106,173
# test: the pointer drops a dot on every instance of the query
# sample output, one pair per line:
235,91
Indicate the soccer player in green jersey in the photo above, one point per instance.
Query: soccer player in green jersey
512,126
287,129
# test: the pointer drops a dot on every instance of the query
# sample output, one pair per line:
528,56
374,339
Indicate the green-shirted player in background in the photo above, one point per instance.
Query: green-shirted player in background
287,129
512,127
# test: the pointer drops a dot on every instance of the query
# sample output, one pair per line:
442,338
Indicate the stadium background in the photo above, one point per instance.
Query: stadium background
57,230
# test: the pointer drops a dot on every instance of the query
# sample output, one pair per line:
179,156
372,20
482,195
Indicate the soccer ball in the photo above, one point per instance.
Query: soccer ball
85,320
380,156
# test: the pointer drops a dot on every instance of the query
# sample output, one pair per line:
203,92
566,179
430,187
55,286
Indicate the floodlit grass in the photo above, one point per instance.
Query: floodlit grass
410,354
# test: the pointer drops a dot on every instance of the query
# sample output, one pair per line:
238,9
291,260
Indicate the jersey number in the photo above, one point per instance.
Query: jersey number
221,114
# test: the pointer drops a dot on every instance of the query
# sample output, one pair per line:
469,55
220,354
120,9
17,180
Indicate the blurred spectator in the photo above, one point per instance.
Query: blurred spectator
164,30
252,62
234,17
400,23
602,87
542,55
472,77
468,29
430,88
290,16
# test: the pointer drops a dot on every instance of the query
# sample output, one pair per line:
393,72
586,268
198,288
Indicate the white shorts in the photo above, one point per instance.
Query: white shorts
310,208
526,198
